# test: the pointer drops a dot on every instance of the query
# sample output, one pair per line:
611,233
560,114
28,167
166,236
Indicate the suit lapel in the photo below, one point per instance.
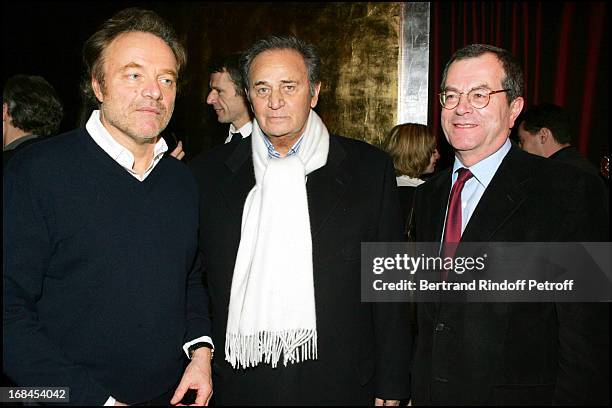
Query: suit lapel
240,178
437,200
327,185
501,199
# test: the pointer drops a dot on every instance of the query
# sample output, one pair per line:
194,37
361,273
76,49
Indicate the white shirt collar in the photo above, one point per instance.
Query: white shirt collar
245,131
405,181
117,151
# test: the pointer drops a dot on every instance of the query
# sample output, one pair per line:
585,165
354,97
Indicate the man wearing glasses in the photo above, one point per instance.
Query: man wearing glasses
504,353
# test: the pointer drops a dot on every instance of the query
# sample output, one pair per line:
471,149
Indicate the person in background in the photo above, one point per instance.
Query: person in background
102,286
412,147
31,111
228,98
545,131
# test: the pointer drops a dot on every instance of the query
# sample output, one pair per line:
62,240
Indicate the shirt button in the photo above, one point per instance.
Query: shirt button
440,327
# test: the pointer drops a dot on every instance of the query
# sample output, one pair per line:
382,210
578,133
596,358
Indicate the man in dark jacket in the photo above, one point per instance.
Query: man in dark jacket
283,215
545,131
505,353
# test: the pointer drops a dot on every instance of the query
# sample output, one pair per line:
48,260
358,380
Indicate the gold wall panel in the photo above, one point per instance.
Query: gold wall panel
359,47
360,73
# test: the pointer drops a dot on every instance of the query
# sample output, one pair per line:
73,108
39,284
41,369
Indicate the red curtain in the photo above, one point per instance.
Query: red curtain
563,47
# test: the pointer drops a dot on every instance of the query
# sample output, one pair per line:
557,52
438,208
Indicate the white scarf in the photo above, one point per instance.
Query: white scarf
272,305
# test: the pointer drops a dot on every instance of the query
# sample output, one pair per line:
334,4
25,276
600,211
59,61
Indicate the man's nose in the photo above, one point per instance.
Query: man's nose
464,105
212,97
276,99
152,89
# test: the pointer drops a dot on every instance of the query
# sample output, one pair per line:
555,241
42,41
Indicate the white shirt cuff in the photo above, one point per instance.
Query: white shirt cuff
110,402
205,339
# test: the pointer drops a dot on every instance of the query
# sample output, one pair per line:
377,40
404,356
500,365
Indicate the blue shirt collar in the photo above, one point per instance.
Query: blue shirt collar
272,153
485,169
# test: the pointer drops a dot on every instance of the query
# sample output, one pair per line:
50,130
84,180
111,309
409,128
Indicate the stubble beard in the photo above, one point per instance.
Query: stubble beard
133,131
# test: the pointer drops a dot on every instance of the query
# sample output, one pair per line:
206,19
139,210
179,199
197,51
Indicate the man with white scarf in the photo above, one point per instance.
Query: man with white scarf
282,217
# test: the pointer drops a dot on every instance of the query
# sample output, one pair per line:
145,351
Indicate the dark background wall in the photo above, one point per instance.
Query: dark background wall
358,43
359,46
563,47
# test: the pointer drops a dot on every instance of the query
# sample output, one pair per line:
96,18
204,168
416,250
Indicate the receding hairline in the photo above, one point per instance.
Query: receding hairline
102,60
483,55
136,32
271,50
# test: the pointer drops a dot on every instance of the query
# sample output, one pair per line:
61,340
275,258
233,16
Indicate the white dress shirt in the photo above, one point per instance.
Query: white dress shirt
245,131
117,151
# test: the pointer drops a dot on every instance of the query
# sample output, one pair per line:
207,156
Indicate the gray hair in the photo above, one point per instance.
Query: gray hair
513,80
307,51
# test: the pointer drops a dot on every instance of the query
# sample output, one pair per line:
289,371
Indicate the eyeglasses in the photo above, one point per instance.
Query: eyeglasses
478,98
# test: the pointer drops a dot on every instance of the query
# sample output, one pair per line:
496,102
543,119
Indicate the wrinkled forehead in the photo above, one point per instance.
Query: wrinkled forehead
278,62
140,48
483,71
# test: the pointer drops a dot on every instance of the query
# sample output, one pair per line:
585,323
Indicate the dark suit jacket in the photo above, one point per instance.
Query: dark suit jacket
7,155
406,196
570,155
515,353
363,348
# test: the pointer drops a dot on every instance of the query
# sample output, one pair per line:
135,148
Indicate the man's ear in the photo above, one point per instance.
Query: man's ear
516,106
315,98
97,89
545,134
5,113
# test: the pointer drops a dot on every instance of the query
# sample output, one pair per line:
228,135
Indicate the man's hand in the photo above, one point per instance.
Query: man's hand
197,376
178,152
385,403
120,404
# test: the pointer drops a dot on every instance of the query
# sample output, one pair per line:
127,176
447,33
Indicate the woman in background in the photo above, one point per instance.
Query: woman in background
413,149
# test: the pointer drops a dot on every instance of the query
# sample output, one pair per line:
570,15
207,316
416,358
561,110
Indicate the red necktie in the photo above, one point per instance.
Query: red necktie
452,229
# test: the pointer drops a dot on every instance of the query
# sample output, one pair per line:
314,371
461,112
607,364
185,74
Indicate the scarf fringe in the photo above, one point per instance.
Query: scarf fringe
295,345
